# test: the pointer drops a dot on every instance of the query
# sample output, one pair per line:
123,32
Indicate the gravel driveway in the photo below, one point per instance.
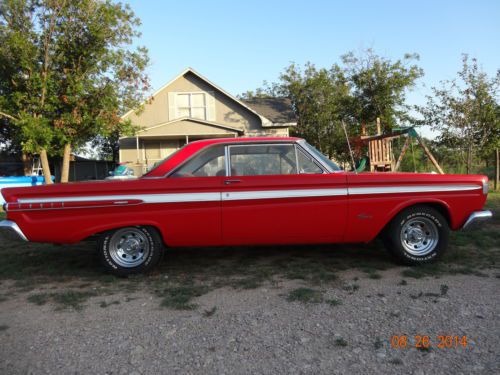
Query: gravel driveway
345,328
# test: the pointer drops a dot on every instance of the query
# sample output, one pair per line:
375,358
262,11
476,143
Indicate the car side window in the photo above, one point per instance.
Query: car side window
306,164
208,163
256,160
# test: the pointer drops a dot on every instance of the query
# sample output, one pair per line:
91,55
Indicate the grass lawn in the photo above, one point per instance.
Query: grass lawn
187,273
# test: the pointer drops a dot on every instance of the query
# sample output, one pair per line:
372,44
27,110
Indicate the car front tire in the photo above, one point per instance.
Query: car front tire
417,235
130,250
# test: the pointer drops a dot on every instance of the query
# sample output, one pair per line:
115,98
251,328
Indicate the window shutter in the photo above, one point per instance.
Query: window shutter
171,106
210,106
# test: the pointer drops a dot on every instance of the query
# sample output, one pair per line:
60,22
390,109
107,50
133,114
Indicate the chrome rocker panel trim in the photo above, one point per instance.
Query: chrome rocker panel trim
475,218
10,231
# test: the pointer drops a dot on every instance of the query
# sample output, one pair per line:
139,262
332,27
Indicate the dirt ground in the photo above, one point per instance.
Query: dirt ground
260,331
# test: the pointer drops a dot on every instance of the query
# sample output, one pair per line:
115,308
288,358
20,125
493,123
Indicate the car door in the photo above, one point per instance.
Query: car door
195,219
277,193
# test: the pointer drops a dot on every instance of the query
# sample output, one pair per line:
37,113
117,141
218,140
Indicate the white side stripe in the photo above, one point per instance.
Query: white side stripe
146,198
410,189
175,198
274,194
257,194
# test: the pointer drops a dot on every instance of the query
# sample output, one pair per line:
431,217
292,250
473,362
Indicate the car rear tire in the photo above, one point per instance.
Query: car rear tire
417,235
130,250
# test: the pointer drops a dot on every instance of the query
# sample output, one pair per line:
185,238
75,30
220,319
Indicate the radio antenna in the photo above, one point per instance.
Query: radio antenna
350,149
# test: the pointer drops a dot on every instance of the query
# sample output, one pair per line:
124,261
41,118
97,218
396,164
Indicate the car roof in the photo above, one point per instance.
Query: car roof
245,139
194,147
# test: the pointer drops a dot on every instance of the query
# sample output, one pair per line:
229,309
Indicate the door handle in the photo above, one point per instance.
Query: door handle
229,182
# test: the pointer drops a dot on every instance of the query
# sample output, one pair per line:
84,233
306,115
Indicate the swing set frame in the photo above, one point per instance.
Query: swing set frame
380,148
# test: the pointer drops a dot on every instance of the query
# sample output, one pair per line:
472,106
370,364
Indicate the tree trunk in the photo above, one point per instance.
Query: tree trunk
27,160
45,166
469,160
497,169
65,164
116,154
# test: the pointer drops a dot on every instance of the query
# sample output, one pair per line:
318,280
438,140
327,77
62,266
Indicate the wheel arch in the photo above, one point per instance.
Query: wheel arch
96,232
439,205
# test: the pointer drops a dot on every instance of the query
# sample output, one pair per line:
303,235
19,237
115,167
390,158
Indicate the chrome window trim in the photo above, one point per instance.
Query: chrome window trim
296,158
278,143
228,144
313,159
302,143
168,174
226,161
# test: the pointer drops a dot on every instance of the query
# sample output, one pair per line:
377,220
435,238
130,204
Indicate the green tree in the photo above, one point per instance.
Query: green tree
321,101
466,112
379,86
26,85
76,63
363,88
265,92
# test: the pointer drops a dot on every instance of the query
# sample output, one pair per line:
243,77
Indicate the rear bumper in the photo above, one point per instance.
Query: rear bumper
476,218
10,231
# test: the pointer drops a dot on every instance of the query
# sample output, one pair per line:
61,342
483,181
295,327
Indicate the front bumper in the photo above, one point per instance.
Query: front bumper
10,231
476,218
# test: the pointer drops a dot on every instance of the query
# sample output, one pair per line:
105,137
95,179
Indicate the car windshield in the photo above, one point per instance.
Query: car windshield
323,158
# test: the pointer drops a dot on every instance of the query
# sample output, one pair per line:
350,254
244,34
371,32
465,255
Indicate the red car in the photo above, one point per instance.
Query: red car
248,191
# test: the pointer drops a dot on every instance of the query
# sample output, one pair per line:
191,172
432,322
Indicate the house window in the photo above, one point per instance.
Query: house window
191,104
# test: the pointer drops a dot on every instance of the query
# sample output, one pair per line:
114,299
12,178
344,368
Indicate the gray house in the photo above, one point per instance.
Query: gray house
190,107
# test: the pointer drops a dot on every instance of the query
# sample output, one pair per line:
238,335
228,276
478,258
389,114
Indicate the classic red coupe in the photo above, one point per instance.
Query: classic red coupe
247,191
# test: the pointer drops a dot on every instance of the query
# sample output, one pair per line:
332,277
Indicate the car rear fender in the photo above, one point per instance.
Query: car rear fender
96,230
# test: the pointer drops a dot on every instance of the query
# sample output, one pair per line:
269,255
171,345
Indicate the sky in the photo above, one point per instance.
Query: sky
239,44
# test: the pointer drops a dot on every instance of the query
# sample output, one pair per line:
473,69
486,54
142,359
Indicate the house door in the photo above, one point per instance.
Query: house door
168,147
152,152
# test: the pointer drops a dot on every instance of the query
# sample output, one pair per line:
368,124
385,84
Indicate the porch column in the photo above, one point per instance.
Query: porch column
187,139
137,147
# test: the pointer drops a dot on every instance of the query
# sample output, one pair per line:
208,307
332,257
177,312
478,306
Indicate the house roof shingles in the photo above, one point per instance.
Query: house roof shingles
277,110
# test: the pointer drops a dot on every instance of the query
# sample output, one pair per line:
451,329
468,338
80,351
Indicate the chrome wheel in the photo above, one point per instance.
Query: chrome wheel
129,247
419,236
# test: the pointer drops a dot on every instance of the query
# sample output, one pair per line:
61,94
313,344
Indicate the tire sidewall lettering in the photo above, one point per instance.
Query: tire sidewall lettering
428,257
151,258
107,256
